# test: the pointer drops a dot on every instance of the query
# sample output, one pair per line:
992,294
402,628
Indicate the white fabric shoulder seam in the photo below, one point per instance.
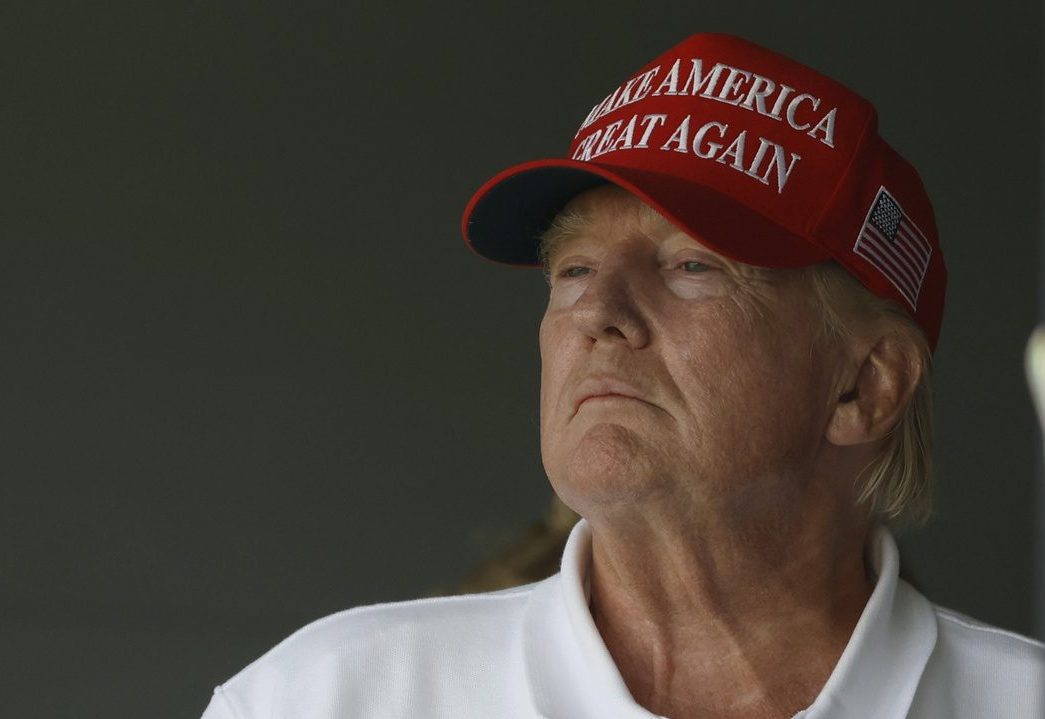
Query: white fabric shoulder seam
960,620
405,603
364,609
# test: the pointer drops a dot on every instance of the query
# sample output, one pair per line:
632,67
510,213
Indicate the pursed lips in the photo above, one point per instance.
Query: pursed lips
596,387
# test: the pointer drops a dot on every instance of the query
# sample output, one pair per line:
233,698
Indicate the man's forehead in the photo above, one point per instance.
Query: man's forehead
605,209
591,213
612,203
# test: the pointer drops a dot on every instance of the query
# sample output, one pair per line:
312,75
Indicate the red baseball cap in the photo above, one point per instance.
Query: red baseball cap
765,160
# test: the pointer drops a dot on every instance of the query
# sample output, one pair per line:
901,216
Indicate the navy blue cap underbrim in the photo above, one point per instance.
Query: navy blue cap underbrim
506,222
506,217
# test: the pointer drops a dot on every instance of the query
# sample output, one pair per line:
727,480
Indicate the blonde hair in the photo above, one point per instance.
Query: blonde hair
897,484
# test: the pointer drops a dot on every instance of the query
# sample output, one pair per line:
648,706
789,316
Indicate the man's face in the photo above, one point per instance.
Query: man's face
671,376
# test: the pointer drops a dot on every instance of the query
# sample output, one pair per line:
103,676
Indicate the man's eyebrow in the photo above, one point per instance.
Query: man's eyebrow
564,227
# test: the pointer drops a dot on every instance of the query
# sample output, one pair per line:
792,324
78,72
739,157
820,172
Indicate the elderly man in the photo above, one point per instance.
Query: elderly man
746,286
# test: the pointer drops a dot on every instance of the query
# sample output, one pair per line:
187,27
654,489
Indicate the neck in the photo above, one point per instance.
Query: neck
720,618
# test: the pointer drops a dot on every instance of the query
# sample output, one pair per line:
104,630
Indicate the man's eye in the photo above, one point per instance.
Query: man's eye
574,271
692,266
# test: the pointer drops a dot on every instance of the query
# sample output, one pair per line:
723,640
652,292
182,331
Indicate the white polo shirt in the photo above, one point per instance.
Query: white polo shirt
534,651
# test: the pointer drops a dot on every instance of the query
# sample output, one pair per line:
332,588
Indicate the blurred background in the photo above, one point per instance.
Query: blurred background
251,375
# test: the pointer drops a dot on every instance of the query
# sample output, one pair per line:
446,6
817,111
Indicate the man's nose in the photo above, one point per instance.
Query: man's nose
608,310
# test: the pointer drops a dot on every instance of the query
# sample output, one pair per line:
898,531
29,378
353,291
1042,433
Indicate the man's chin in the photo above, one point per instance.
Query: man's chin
609,463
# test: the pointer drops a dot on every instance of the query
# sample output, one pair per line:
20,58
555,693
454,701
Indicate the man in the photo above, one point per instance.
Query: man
746,286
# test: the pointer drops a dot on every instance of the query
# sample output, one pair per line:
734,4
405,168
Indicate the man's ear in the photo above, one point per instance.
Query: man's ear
873,404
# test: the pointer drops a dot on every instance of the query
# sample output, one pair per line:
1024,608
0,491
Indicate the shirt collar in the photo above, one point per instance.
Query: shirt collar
572,674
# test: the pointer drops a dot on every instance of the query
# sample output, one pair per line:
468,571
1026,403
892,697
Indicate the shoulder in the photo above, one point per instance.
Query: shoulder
978,670
376,652
971,641
412,627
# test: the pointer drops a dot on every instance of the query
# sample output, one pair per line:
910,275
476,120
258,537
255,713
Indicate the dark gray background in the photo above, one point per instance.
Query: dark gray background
251,375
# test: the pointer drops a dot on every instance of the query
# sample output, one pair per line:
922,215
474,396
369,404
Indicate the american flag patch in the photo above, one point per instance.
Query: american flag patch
891,242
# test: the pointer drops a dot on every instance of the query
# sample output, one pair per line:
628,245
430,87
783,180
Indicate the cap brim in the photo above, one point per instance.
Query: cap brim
507,215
